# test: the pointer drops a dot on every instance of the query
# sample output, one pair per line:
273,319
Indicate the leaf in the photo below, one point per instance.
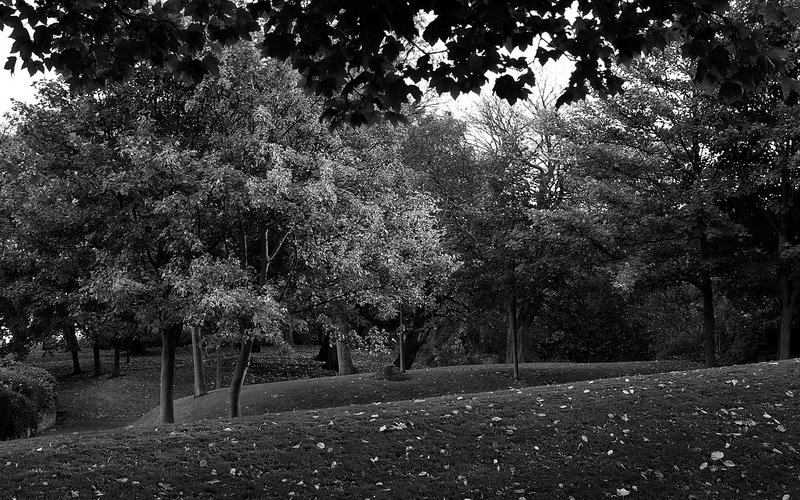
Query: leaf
506,87
11,62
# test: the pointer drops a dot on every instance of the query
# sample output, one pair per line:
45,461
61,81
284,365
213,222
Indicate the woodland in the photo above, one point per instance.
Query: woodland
658,222
528,287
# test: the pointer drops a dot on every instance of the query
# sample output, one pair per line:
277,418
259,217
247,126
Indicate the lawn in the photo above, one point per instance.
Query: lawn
365,388
722,433
86,402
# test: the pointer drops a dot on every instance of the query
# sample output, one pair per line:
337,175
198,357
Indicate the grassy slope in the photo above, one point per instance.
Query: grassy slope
359,389
648,434
92,403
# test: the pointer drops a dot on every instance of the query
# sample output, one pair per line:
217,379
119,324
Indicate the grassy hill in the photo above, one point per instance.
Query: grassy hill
722,433
329,392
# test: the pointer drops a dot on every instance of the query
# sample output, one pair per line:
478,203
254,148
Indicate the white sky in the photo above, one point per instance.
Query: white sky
18,86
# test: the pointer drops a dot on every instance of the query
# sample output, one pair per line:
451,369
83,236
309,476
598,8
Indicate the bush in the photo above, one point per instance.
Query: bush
27,395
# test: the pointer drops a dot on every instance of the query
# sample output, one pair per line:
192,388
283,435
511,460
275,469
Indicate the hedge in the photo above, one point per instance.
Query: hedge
27,394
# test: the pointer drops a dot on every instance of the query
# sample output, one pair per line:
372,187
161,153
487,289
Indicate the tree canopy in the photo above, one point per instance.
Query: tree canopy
367,59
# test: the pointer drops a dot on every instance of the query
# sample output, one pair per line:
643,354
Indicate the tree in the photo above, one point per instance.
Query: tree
368,60
650,159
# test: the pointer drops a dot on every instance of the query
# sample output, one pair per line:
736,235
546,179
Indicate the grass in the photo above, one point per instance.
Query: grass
721,433
89,403
329,392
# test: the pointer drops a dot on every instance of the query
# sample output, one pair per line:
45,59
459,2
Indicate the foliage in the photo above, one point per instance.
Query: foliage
367,61
29,392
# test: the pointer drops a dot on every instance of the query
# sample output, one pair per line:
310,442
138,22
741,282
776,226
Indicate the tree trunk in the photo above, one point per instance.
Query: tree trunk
707,289
788,303
523,319
237,381
115,371
98,369
413,340
72,344
344,358
169,342
788,292
709,337
327,354
402,342
200,388
289,335
514,336
218,384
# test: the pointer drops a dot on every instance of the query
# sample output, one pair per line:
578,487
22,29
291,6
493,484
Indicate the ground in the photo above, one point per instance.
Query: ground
722,433
88,403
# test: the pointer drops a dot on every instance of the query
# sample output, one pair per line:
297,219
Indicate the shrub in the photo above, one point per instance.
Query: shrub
26,395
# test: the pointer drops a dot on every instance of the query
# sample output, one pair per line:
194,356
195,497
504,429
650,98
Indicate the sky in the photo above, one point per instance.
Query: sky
18,86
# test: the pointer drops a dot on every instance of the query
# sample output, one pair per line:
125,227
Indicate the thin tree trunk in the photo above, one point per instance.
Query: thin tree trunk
787,294
218,384
115,370
98,369
413,340
515,335
709,321
402,345
169,342
345,359
237,381
707,289
520,322
788,303
289,337
72,344
200,388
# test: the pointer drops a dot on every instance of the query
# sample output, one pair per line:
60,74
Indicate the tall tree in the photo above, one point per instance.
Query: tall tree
650,159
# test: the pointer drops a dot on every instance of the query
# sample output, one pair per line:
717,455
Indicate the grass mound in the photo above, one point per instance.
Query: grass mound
363,388
721,433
